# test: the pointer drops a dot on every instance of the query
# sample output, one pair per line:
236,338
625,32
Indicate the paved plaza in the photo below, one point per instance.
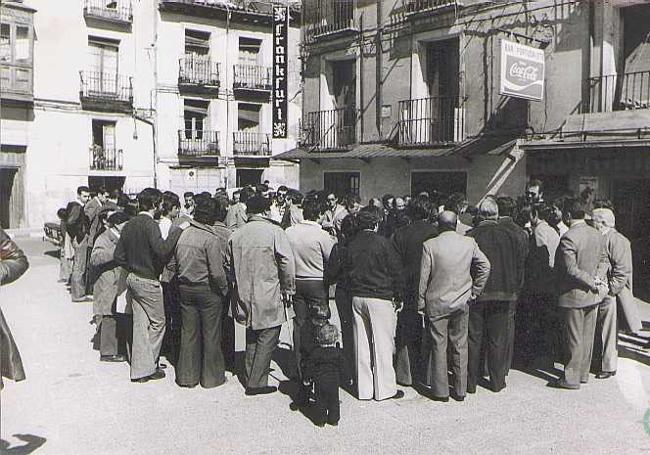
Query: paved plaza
73,404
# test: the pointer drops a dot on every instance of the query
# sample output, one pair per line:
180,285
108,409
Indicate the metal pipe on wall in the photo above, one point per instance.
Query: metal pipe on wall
379,62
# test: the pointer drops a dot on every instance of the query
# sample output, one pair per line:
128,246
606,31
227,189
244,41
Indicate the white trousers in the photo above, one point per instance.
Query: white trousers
375,322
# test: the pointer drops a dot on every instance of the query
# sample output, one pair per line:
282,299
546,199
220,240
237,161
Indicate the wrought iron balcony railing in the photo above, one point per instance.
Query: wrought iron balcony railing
330,130
195,143
105,158
98,86
619,92
251,144
435,120
252,77
427,6
198,70
328,17
120,11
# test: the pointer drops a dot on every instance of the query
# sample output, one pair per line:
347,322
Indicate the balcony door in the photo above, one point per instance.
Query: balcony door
103,150
344,94
196,124
104,58
442,76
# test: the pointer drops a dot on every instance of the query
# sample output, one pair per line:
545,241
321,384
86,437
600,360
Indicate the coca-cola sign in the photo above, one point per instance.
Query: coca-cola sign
522,71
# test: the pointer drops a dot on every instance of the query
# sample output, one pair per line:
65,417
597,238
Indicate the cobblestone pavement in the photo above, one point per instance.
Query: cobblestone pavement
73,404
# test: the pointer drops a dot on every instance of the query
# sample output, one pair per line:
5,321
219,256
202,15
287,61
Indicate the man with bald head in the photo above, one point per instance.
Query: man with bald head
619,278
454,271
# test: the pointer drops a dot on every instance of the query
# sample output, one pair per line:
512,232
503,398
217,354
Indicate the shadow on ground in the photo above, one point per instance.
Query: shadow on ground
33,442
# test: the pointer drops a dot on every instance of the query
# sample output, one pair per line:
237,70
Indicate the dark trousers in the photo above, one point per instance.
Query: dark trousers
512,310
172,339
488,325
408,344
327,400
537,330
260,345
200,357
447,335
580,328
113,334
344,307
309,294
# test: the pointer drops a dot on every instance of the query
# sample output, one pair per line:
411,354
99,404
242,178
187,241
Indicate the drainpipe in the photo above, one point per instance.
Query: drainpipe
379,64
361,84
227,71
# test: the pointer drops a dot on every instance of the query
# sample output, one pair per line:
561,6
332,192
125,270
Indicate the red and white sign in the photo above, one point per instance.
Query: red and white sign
522,71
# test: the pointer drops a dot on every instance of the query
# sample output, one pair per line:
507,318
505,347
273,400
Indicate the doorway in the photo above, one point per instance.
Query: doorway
6,184
247,177
632,213
442,183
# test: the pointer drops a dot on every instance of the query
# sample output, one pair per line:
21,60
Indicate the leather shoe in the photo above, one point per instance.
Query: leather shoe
250,391
605,374
158,374
562,384
399,394
458,397
112,358
440,399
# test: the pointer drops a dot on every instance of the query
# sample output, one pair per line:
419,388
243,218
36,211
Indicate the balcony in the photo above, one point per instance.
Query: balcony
198,146
251,144
330,130
116,12
252,77
198,73
106,92
427,7
105,158
437,120
327,18
619,92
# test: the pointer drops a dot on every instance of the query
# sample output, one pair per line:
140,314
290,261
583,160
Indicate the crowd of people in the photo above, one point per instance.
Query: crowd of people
423,285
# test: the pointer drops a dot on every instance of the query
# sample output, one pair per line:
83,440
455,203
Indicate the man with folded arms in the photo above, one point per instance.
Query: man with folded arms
454,271
142,251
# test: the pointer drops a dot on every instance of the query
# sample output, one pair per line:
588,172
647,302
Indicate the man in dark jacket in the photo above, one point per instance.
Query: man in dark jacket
13,263
142,251
507,212
77,226
203,285
408,242
376,286
488,317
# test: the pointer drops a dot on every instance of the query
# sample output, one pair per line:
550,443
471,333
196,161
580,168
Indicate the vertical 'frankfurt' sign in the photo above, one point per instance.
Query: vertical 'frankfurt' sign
280,39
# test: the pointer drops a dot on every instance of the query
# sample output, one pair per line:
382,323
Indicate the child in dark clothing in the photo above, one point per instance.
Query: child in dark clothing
325,367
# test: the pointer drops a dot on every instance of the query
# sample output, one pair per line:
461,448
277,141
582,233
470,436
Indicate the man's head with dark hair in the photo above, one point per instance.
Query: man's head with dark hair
352,203
507,206
102,194
83,194
117,218
457,203
387,201
149,199
258,205
204,211
220,192
281,194
419,209
62,213
188,194
311,210
349,227
574,209
295,197
368,218
246,193
534,190
114,195
221,208
171,204
262,188
332,200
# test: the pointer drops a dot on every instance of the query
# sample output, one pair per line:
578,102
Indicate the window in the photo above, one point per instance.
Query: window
195,116
248,117
442,68
444,183
5,43
249,50
344,84
342,183
104,134
22,44
104,66
247,177
197,43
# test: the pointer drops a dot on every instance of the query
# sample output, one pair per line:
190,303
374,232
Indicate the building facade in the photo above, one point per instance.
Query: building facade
213,96
404,96
16,107
135,93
